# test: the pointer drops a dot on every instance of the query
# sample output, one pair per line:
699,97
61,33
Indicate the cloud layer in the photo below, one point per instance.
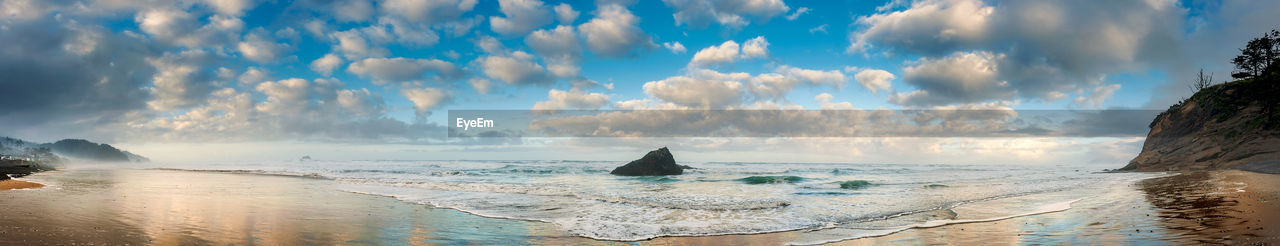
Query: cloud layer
977,51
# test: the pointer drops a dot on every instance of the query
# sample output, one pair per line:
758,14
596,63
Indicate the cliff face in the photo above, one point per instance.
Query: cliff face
1234,125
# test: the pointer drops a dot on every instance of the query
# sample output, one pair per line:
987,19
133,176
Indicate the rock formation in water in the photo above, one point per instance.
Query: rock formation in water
1234,125
655,163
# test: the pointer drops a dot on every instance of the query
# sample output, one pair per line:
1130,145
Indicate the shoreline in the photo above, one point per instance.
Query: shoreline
793,233
1139,220
209,199
922,224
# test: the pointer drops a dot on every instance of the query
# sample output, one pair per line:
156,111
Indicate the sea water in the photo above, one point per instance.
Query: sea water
831,201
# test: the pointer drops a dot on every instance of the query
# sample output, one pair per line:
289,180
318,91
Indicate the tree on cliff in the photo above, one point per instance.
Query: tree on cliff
1202,81
1258,56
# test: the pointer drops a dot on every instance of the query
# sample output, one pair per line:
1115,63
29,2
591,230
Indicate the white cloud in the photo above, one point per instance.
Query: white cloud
818,29
326,64
288,33
565,14
785,78
724,53
584,83
410,33
367,41
705,88
294,109
755,48
696,92
613,32
179,81
353,45
315,27
481,86
451,54
959,78
224,73
293,96
261,48
252,76
560,49
352,10
772,86
833,78
730,51
360,103
230,7
674,47
825,101
874,80
461,27
175,26
425,99
490,45
428,12
796,15
1097,96
516,68
522,16
24,9
929,26
729,13
225,110
1047,47
399,69
572,99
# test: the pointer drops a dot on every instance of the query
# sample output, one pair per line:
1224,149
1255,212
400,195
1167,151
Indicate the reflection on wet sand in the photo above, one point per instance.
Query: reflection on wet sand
184,208
1227,207
1216,207
181,207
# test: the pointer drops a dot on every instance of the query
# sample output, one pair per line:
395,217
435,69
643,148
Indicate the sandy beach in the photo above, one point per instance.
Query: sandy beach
10,184
183,207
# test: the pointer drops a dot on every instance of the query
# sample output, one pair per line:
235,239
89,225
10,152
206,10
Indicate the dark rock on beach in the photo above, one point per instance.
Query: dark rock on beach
14,168
655,163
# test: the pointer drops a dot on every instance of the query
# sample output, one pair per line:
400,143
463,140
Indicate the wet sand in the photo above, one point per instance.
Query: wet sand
1209,207
10,184
182,207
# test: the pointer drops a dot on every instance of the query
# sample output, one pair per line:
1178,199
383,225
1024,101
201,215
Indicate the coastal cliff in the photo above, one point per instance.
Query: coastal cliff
1234,125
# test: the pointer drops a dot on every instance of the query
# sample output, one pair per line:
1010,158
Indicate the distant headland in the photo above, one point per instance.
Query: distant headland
20,157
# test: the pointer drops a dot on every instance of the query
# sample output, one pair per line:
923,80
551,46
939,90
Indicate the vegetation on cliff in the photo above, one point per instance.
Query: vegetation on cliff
1230,125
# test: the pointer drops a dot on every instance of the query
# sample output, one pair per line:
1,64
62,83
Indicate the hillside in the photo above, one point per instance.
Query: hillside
66,148
1232,125
18,148
83,149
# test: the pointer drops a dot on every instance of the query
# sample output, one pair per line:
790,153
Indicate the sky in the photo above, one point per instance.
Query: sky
374,79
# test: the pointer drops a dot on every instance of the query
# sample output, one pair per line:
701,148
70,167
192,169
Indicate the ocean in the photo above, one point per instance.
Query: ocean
829,201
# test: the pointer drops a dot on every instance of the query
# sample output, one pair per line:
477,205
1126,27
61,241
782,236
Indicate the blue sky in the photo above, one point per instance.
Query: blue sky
792,43
386,71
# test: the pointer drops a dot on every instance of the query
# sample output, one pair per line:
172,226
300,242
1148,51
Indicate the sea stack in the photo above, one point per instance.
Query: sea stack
656,163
